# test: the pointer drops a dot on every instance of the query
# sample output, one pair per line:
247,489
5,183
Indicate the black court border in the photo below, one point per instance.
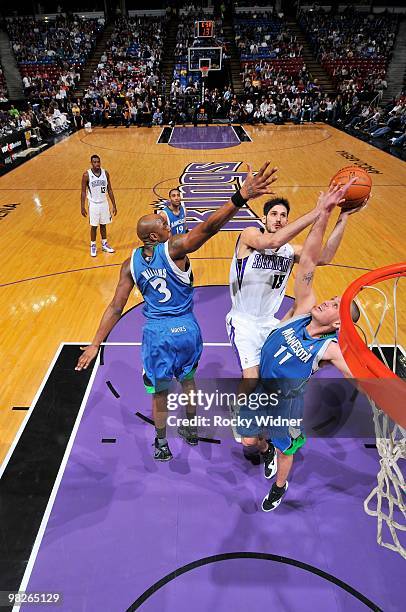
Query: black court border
251,555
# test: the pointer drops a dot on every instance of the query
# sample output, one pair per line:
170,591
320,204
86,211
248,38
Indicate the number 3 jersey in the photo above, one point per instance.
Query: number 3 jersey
97,186
258,281
167,290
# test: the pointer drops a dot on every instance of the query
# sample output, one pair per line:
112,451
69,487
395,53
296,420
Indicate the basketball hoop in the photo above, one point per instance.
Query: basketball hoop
378,373
204,71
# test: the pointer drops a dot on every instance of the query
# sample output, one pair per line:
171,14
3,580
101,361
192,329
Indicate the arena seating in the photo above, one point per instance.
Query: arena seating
353,47
128,74
52,53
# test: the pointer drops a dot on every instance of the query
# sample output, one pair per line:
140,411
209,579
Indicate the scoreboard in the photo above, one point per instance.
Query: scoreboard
204,29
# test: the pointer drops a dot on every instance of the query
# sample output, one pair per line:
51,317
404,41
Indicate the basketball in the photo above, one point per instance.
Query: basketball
359,190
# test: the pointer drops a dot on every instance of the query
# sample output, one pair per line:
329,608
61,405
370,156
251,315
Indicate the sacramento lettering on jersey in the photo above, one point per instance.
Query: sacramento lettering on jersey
205,187
271,262
295,345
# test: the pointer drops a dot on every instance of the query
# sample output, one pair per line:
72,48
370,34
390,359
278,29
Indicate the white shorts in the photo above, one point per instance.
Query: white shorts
247,338
99,213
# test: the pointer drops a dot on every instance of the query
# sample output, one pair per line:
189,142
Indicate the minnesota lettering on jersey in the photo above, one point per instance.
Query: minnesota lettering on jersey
271,262
178,222
98,183
295,345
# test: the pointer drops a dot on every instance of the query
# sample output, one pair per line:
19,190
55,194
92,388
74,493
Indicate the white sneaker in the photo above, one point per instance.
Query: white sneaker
93,250
107,249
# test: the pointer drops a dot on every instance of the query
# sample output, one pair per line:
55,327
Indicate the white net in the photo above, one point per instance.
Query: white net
387,500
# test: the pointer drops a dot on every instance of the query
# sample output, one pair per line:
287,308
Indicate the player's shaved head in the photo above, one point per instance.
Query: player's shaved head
148,224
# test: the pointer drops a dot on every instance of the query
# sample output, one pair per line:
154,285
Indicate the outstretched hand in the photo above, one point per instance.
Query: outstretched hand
334,196
89,353
260,184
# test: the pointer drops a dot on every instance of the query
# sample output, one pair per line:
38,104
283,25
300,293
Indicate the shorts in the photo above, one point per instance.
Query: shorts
270,421
247,338
99,213
171,348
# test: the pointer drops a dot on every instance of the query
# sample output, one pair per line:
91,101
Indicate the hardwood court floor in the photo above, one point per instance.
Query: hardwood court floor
53,291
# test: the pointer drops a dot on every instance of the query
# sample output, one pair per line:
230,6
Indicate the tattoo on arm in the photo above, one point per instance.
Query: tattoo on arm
308,277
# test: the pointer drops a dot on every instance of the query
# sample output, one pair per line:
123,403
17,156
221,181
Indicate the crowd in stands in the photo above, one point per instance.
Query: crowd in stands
354,48
128,81
127,87
45,121
264,36
52,53
3,86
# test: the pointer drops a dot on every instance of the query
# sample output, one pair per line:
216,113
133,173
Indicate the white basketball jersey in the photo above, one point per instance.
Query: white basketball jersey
258,281
97,187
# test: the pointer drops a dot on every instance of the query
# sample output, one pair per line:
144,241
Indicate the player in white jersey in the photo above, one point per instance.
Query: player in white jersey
260,269
96,185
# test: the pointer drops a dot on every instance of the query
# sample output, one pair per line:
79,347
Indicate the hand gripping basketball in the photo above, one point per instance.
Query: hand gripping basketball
359,191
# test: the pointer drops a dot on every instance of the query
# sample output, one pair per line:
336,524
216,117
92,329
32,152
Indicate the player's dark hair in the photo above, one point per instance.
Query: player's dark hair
274,202
173,189
95,157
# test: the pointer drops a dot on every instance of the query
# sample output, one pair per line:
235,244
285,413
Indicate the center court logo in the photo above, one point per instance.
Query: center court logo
205,187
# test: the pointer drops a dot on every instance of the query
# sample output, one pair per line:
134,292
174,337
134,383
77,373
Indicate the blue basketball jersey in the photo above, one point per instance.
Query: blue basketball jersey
167,290
177,223
291,355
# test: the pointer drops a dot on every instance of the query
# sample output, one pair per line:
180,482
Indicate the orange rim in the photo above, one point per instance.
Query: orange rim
364,365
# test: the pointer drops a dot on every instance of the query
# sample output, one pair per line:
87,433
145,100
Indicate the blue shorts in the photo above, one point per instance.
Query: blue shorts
171,348
254,423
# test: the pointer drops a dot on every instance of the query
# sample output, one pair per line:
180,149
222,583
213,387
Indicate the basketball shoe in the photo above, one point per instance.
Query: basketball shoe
93,250
274,497
106,248
270,461
162,451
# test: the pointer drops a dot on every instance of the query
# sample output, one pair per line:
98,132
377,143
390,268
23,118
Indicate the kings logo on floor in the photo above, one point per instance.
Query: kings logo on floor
205,187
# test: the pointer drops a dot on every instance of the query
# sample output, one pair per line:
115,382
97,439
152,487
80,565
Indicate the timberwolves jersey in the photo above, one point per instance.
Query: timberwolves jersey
291,355
177,223
97,187
167,290
258,281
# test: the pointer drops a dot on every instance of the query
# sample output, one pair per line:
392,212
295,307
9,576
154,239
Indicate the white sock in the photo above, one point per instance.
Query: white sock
92,243
104,241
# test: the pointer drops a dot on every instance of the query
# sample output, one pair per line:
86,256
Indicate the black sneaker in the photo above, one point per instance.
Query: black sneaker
189,434
270,461
162,453
273,499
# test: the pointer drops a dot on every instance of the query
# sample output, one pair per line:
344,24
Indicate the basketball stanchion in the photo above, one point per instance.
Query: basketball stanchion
380,369
204,70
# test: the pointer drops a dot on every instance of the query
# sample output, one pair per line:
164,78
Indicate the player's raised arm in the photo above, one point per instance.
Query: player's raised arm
254,239
253,187
110,317
309,258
